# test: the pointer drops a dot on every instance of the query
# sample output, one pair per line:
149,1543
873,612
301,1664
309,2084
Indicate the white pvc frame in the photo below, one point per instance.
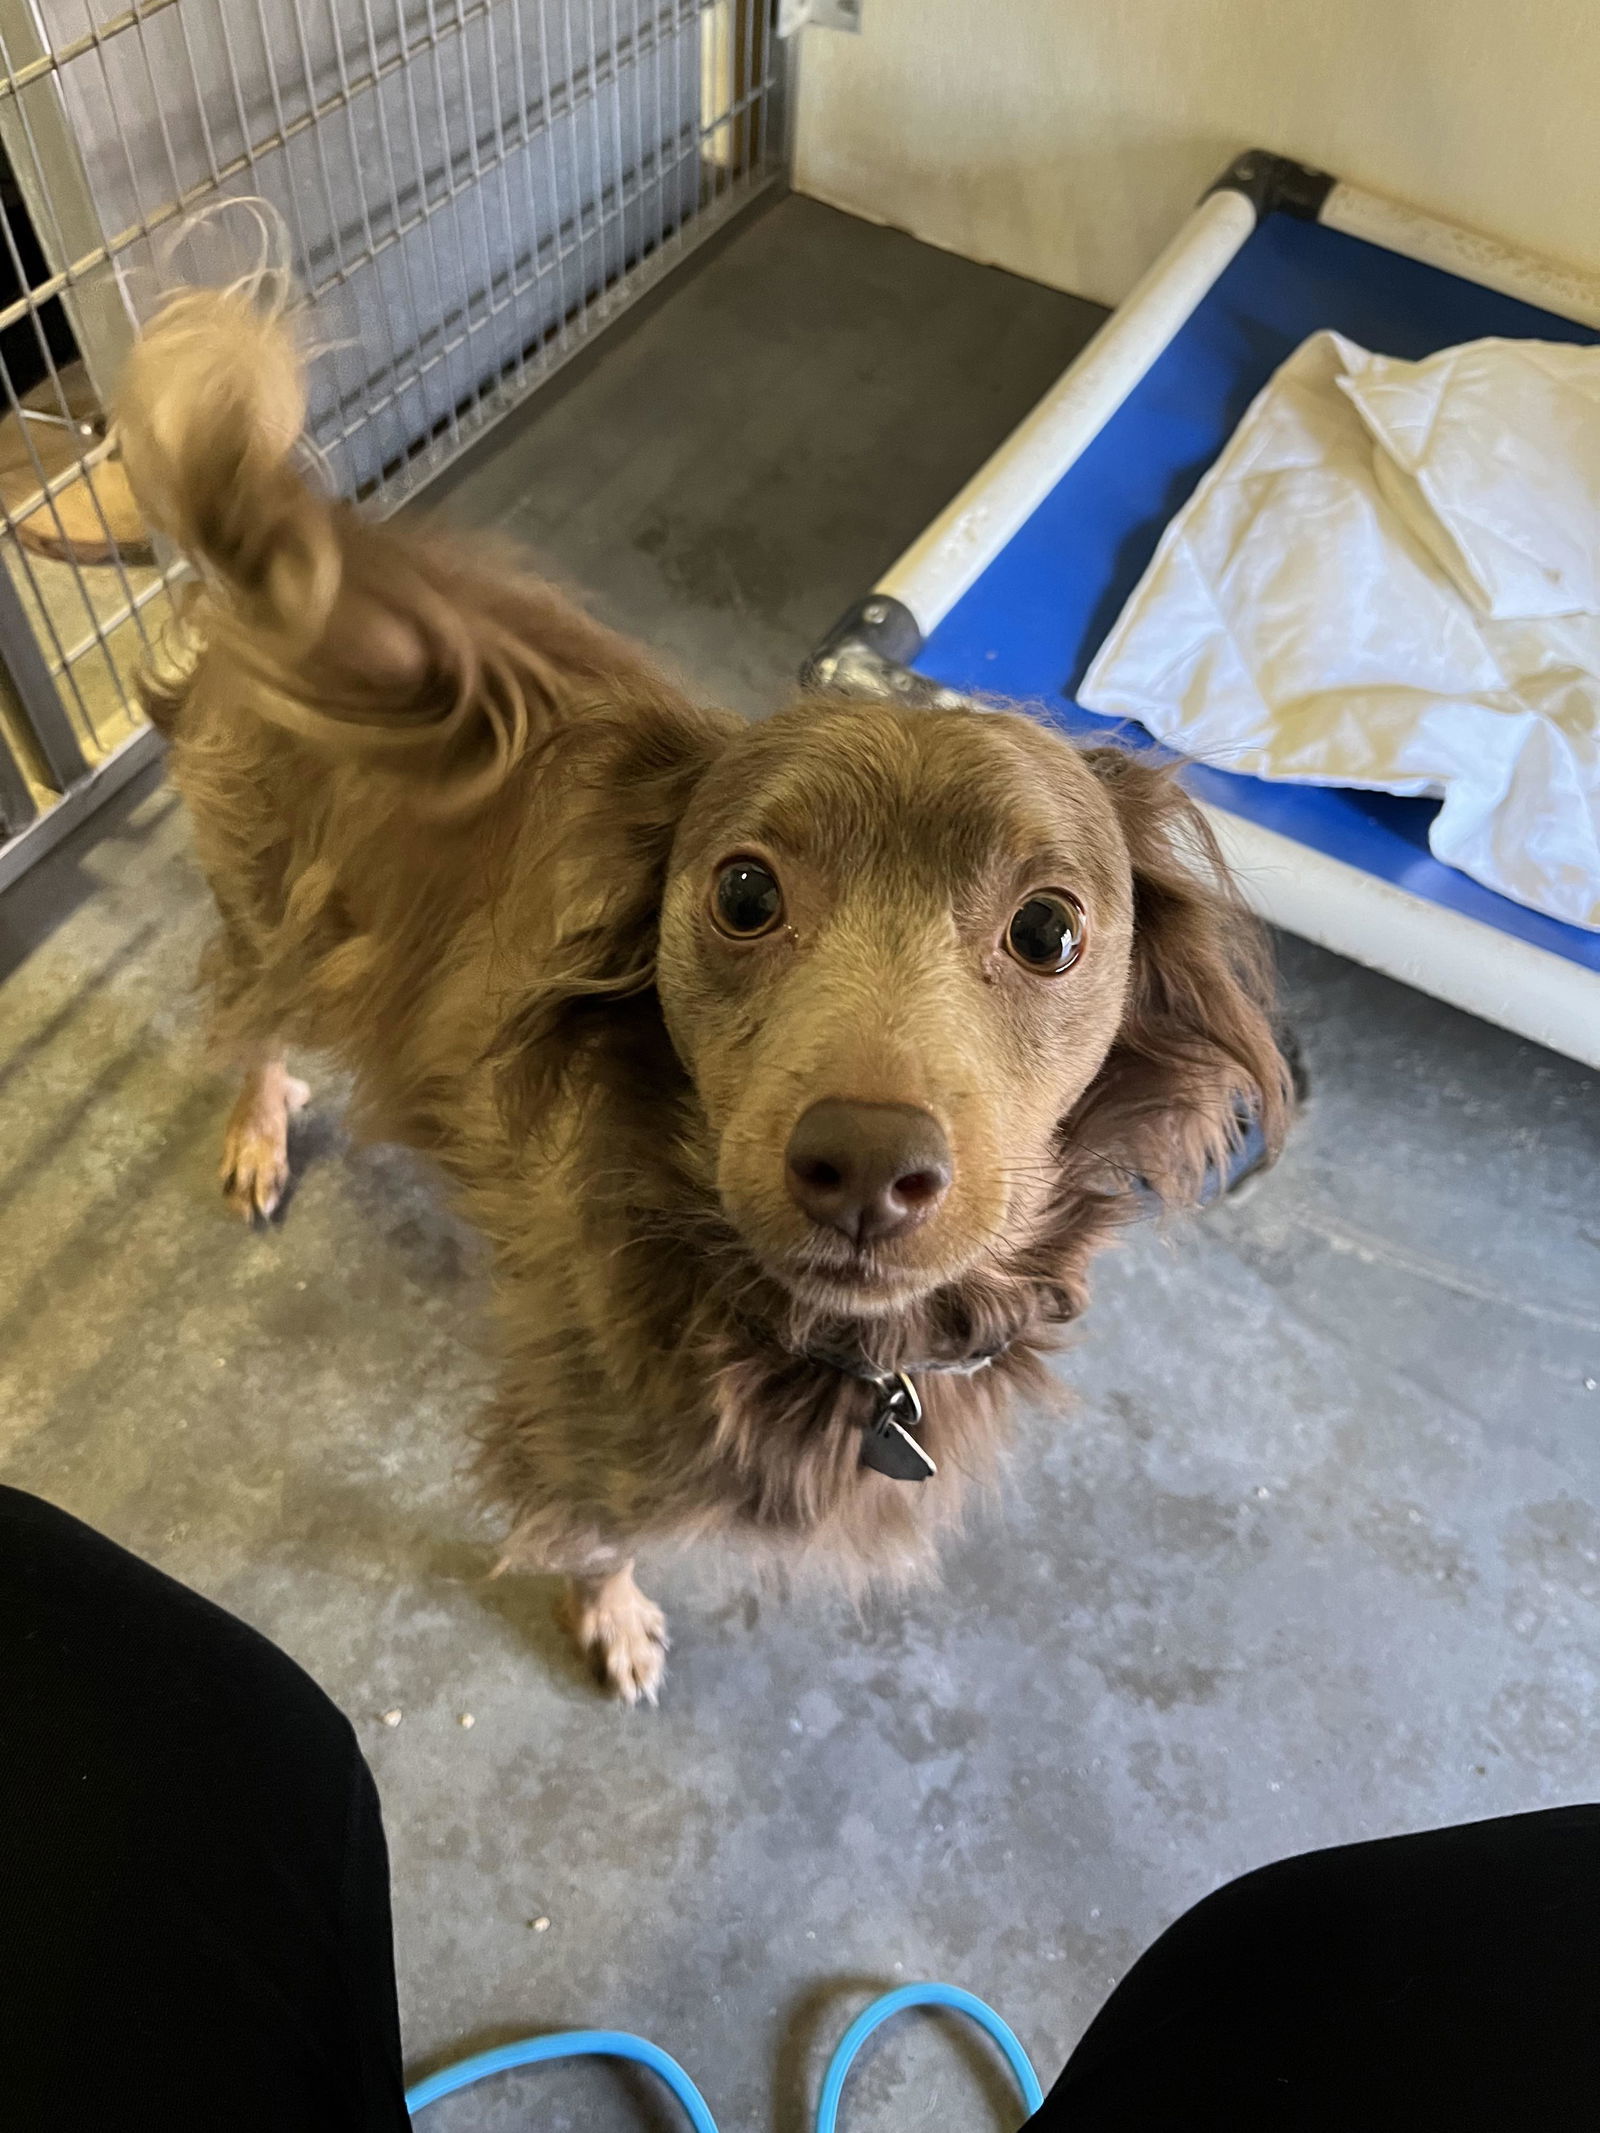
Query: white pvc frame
1456,959
955,550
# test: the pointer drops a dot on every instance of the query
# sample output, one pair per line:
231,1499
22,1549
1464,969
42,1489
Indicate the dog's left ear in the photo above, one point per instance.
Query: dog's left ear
1195,1057
624,774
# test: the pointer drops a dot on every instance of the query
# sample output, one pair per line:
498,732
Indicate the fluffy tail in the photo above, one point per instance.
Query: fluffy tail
374,641
210,417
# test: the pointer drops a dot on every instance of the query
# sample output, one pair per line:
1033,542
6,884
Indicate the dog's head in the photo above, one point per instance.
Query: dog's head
895,952
927,971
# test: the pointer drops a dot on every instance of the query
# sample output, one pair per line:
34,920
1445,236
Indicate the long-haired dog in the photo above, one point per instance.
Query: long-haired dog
793,1071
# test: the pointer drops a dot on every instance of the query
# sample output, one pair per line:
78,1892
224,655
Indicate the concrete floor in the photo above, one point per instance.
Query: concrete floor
1314,1555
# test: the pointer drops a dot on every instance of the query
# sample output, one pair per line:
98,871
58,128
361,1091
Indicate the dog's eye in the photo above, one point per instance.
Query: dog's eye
746,899
1046,933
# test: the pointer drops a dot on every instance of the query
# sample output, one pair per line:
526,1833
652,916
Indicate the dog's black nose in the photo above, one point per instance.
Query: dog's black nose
868,1170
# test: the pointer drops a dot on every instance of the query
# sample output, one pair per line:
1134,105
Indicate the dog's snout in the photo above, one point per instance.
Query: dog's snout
870,1171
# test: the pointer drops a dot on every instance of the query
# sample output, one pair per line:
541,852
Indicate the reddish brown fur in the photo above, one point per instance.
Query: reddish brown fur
460,839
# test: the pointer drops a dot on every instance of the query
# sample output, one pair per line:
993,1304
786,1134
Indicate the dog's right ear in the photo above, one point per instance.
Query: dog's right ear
1196,1057
626,772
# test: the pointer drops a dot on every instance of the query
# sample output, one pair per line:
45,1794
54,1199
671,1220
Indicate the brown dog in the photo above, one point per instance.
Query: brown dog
772,1060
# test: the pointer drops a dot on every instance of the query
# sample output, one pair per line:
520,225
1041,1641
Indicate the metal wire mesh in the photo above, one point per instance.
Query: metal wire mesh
470,187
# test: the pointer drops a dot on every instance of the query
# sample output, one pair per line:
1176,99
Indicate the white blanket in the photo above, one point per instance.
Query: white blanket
1391,579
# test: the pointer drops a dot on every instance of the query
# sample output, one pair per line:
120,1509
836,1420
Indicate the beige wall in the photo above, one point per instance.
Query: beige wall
1066,139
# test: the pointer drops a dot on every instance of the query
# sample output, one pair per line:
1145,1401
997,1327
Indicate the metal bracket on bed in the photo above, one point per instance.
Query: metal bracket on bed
868,651
1275,184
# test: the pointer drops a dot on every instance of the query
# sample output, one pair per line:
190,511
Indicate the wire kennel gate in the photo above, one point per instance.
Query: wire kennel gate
470,188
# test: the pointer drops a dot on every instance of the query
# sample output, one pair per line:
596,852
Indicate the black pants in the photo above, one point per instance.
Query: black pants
194,1893
194,1916
1441,1984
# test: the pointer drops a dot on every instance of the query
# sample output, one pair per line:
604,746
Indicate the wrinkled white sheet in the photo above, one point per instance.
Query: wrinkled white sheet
1391,579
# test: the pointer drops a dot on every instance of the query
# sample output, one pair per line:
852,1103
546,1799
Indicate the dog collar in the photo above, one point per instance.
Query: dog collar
888,1441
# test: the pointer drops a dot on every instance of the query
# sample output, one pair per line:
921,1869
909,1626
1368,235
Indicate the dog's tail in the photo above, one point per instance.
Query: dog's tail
210,418
373,640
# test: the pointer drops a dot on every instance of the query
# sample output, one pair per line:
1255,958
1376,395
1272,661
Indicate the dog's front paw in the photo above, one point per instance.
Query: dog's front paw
621,1633
255,1144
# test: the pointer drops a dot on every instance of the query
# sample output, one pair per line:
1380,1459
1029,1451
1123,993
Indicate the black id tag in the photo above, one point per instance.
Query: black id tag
887,1445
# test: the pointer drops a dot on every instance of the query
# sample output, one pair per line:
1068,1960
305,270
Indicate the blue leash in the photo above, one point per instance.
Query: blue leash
570,2044
891,2004
617,2044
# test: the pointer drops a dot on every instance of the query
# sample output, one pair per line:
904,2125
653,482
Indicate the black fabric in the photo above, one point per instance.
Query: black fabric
1449,1980
194,1893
